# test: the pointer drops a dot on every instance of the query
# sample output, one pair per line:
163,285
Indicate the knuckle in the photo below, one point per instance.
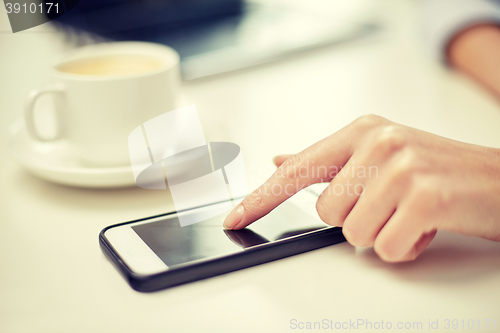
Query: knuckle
367,121
390,139
253,202
385,251
356,236
291,167
429,196
423,189
326,213
405,167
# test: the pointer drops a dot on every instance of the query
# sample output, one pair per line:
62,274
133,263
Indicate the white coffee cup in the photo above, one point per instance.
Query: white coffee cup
103,91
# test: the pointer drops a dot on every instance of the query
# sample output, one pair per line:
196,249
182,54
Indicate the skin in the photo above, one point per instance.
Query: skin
424,183
476,52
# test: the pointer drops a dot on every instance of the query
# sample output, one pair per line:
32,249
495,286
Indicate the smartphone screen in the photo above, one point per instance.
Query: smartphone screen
176,246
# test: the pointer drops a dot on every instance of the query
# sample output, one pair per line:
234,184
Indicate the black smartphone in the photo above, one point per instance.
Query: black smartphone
156,252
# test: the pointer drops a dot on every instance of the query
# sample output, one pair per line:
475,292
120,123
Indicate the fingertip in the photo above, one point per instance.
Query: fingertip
233,220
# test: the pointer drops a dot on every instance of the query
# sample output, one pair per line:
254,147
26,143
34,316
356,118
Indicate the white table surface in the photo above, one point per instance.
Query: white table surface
54,278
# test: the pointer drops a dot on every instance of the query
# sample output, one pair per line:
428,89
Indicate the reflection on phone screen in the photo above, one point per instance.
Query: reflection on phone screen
176,245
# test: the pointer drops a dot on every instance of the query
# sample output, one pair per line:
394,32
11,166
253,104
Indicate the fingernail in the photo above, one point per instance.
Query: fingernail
234,218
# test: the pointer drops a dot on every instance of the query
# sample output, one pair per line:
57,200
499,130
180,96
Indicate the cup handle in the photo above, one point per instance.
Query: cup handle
29,109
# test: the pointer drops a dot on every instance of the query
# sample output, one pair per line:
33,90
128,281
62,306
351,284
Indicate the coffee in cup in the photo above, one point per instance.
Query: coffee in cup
114,65
103,91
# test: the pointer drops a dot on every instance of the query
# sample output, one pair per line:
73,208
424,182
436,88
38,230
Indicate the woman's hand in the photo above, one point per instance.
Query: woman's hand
391,187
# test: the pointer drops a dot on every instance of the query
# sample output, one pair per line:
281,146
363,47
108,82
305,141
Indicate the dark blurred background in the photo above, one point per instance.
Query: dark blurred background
215,36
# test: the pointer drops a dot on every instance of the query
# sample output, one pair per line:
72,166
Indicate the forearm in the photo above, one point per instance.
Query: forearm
476,52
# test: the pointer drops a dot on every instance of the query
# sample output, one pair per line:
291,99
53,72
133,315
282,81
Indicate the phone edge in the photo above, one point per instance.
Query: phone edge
218,266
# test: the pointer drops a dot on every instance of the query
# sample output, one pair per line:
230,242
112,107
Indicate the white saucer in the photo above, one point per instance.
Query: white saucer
56,162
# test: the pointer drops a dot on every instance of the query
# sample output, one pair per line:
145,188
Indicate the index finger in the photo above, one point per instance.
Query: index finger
311,166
